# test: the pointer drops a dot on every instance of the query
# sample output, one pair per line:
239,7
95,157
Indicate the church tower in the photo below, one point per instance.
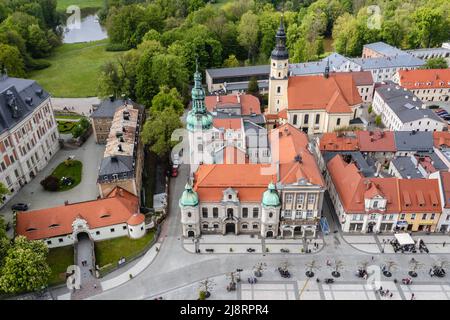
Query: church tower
279,73
199,123
270,217
190,214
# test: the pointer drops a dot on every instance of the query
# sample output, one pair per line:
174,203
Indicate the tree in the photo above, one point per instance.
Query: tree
3,192
429,28
378,120
38,44
11,59
414,265
231,62
50,183
389,267
253,87
311,266
158,129
4,242
167,98
205,286
25,267
248,32
258,268
436,63
338,265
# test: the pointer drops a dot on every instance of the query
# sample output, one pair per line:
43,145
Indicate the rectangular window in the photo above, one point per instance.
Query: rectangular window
424,216
205,212
49,242
289,197
215,212
124,228
60,240
244,212
97,233
309,213
306,119
432,216
244,226
112,230
255,212
311,198
317,118
298,214
413,216
300,199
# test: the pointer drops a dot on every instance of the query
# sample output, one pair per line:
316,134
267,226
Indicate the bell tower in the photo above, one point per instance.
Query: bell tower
279,73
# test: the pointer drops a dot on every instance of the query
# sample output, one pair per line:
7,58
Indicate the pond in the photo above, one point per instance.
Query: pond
89,29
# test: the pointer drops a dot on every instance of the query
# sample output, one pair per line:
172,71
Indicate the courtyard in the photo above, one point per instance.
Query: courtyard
90,154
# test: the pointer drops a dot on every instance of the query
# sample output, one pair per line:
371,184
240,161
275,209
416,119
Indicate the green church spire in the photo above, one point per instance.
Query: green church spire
198,117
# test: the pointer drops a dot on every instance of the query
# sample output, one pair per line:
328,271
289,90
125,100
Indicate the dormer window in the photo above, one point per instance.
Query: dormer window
375,204
54,225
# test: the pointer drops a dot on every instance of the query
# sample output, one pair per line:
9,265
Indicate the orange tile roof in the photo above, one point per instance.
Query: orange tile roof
282,114
352,187
292,143
249,103
230,123
424,78
373,141
362,78
441,138
335,94
333,141
419,195
403,195
116,208
445,177
212,179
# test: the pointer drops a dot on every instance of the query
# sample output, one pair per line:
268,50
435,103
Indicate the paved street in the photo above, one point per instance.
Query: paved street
79,105
90,154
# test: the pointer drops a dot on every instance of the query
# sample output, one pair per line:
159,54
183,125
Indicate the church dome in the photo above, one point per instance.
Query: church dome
270,197
189,197
197,121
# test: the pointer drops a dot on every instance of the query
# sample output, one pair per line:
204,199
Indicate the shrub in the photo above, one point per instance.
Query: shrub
50,183
370,109
378,120
202,295
116,47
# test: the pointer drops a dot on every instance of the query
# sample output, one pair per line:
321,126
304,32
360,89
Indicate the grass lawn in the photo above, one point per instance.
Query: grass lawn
110,251
58,260
63,4
73,171
75,69
65,127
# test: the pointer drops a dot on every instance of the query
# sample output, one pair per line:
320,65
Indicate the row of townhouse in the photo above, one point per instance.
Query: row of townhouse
29,135
364,166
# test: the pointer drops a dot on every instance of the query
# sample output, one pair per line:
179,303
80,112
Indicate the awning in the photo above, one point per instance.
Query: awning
404,238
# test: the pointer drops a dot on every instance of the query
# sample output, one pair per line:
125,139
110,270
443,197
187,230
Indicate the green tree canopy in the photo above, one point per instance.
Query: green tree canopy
158,129
25,267
436,63
167,98
11,59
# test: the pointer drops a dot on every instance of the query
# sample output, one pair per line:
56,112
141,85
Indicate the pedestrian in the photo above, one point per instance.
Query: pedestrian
443,244
412,296
391,295
95,286
372,258
381,289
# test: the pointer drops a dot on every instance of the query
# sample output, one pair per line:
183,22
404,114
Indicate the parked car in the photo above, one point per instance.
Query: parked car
20,207
174,171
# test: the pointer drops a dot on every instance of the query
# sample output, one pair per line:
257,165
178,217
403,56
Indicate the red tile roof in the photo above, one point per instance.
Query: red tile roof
335,94
362,78
249,103
333,141
116,208
441,138
419,195
373,141
445,177
231,123
424,78
403,195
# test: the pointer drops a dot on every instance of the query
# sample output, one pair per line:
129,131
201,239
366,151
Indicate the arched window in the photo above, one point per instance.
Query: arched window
278,89
338,121
270,214
189,214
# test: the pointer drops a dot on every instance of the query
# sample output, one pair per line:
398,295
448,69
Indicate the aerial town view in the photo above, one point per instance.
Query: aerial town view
224,150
